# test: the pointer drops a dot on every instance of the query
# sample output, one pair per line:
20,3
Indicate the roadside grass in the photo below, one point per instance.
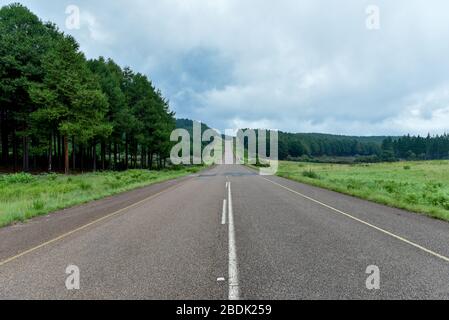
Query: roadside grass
24,196
420,186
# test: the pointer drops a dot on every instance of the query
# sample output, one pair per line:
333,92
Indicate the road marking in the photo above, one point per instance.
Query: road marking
364,222
234,293
223,214
65,235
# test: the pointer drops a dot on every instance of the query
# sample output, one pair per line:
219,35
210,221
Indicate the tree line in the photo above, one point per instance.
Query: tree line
416,147
60,111
363,149
304,145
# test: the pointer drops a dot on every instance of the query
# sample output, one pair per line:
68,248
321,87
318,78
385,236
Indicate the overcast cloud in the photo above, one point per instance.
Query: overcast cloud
300,66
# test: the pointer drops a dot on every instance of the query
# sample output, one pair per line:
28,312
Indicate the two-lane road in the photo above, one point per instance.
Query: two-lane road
227,233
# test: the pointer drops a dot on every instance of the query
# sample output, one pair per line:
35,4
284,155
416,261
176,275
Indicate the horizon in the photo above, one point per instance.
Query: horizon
331,134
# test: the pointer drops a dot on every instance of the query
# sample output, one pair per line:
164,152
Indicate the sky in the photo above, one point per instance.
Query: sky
351,67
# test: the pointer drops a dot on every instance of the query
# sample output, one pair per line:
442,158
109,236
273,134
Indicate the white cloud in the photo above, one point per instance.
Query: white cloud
425,113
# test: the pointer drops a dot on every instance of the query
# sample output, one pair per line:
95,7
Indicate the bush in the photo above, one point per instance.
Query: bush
85,186
38,204
19,178
52,176
407,167
310,174
391,186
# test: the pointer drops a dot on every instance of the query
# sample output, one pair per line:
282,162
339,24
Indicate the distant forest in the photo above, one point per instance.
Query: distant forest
318,147
313,147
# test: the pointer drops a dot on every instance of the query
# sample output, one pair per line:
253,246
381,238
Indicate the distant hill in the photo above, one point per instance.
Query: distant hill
187,124
296,145
364,139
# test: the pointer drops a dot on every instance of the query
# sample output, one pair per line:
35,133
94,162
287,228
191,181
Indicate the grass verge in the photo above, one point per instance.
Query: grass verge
420,186
24,196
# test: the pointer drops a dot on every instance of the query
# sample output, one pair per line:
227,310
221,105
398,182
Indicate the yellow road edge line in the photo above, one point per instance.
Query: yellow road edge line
65,235
364,222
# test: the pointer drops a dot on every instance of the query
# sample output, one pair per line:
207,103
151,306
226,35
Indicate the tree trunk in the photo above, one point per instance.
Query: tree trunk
126,153
135,158
94,156
55,152
73,154
50,153
150,160
82,158
103,155
115,155
143,158
66,155
5,142
25,158
59,151
119,154
110,155
14,151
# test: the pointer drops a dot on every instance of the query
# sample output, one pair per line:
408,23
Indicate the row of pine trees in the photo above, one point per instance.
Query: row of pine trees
62,112
366,149
417,147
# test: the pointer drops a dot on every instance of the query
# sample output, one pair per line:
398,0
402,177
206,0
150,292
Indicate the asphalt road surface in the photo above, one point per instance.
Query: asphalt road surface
227,233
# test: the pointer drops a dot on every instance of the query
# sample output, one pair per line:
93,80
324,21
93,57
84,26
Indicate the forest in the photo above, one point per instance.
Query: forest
417,147
62,112
313,146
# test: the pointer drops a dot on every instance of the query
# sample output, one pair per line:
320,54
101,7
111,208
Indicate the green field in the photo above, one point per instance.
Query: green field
23,196
421,187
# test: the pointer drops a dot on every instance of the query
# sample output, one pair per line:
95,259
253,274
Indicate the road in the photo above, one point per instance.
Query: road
227,233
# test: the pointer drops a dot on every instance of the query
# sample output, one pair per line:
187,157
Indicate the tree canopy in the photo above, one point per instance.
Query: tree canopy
56,105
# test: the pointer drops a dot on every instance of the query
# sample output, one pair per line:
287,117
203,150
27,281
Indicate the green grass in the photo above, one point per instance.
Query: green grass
23,196
421,187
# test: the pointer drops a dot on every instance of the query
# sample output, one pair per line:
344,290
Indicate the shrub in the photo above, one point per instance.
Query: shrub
113,184
38,204
85,186
19,178
407,167
310,174
412,198
391,188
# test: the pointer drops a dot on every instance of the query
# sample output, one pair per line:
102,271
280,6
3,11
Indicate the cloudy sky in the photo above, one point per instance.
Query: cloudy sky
294,65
